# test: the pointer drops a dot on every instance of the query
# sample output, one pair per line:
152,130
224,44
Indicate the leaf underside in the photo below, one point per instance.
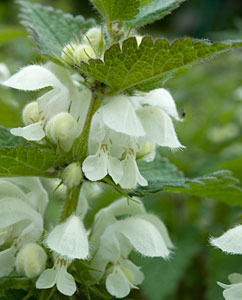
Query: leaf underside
145,67
163,176
156,10
51,29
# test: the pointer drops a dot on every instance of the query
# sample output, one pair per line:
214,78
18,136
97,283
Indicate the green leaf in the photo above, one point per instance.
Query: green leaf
163,176
114,10
146,66
156,10
28,161
7,139
52,29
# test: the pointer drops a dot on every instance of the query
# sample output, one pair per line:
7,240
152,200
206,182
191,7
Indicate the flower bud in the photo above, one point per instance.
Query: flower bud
68,53
31,113
72,175
139,39
4,72
84,53
31,260
94,38
62,129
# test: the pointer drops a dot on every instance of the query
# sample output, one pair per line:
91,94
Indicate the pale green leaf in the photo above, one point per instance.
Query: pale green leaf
156,10
146,66
114,10
163,176
7,139
28,161
52,29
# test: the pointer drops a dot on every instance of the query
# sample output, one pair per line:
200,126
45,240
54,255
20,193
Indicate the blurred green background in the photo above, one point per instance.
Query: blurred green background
211,95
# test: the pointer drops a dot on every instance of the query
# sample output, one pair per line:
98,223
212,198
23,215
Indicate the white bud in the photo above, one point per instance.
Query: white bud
31,260
68,53
94,38
4,72
31,113
84,53
72,175
62,129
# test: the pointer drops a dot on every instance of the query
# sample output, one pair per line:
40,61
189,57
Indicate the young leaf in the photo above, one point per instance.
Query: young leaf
27,161
163,176
114,10
156,10
145,66
52,29
9,140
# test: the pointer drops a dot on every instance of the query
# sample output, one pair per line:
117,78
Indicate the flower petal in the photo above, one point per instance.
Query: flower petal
235,278
69,239
115,169
230,241
7,262
158,127
65,282
119,115
47,279
138,276
32,132
233,293
117,284
95,166
160,98
130,176
33,78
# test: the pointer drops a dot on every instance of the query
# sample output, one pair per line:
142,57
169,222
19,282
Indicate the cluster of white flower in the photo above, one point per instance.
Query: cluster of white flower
122,130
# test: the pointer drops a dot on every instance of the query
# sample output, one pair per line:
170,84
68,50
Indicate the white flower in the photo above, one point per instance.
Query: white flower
113,240
31,113
22,202
69,239
58,275
31,260
63,97
230,241
94,38
233,291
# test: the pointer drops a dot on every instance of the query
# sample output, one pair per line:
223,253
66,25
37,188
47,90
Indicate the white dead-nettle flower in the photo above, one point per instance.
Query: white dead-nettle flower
84,53
230,241
72,175
112,153
69,239
64,96
31,260
30,113
233,291
62,130
116,243
23,202
58,275
147,153
113,240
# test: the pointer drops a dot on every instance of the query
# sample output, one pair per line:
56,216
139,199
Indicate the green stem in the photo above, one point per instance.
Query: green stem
70,203
81,145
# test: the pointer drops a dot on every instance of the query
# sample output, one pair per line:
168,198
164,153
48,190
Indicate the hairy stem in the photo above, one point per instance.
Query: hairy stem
81,145
70,203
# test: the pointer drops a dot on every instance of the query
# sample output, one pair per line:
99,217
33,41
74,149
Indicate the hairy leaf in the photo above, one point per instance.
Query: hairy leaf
27,161
117,10
156,10
52,29
163,176
143,66
7,139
